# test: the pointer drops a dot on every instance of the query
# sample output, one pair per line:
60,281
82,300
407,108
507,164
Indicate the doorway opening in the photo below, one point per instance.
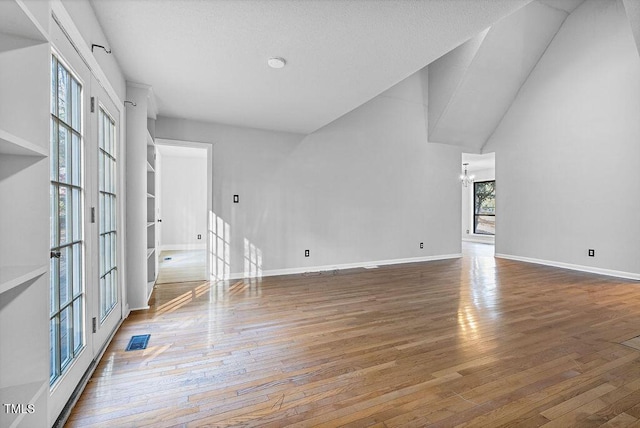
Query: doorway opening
478,198
184,189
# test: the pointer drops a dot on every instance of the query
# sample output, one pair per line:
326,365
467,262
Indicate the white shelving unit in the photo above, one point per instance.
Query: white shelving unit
25,393
13,145
141,199
14,276
25,66
152,260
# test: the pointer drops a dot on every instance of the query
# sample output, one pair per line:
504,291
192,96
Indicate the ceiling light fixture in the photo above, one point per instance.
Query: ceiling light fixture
276,62
465,178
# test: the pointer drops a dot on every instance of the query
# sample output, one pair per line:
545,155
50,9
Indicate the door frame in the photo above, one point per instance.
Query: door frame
209,148
102,100
65,384
75,52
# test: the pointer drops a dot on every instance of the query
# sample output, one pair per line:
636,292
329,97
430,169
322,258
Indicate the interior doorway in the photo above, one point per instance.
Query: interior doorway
184,189
478,198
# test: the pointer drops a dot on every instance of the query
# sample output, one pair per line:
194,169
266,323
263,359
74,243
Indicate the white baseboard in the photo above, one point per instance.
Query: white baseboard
311,269
581,268
480,239
183,247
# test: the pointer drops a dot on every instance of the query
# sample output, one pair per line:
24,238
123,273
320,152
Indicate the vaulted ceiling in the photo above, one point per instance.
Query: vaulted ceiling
632,8
207,60
472,87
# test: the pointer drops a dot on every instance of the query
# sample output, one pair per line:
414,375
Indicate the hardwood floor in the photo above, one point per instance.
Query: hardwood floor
476,341
182,266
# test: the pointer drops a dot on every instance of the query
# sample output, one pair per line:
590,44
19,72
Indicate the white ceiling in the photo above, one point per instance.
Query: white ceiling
207,60
564,5
632,9
492,77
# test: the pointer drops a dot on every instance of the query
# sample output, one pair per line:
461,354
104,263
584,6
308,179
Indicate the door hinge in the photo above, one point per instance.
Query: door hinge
93,214
93,104
94,324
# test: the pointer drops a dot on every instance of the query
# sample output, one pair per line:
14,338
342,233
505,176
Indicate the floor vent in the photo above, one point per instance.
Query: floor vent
138,342
633,343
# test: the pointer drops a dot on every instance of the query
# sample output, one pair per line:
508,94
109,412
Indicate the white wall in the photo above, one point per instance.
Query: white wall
567,151
367,187
87,23
467,207
183,199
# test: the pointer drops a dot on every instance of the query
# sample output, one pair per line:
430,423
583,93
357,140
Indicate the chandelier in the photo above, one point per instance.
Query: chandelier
465,178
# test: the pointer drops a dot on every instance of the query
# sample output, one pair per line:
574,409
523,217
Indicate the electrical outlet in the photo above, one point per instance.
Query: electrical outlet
592,252
236,199
306,253
199,236
421,245
467,231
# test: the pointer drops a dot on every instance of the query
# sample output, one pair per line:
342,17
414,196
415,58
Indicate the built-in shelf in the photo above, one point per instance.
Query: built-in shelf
27,393
152,254
25,60
13,145
13,276
19,28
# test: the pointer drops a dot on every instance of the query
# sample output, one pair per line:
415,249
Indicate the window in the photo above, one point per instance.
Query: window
66,288
107,168
484,207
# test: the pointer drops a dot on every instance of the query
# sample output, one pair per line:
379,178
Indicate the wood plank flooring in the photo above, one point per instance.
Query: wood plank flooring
182,266
477,342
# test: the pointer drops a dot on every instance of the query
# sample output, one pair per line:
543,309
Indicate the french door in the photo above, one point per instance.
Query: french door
85,286
107,302
70,186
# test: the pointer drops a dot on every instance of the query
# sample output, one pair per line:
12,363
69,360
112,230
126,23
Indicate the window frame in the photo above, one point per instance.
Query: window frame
74,244
476,215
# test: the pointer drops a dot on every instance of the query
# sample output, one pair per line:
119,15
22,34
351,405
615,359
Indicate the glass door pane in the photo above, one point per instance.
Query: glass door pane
67,298
107,171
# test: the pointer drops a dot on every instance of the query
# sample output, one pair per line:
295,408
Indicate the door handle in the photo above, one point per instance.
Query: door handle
55,254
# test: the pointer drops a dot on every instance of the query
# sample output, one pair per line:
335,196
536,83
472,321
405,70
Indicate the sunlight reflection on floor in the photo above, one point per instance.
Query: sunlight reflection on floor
479,294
